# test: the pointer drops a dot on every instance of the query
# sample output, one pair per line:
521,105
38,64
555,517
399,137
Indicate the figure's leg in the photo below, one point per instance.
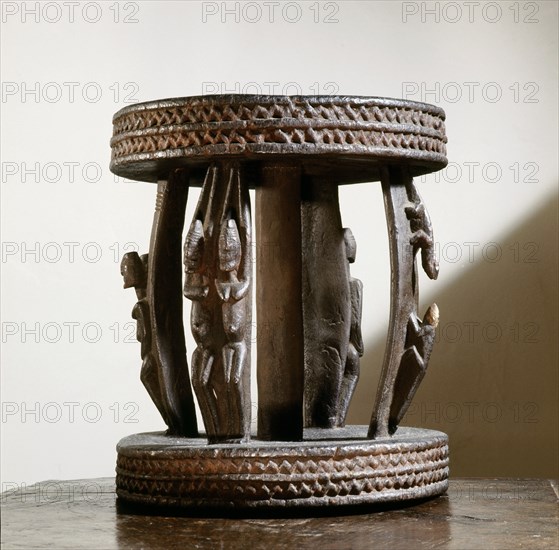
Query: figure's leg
150,379
235,363
234,359
202,361
354,351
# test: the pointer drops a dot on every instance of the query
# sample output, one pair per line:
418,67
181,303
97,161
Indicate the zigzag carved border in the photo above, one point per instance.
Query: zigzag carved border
197,127
347,472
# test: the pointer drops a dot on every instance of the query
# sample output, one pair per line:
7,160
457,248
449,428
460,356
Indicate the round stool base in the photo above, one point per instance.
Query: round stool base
329,468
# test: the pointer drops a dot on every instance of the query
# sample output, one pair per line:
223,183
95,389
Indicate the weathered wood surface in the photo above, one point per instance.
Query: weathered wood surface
345,137
410,340
488,514
328,468
331,307
159,312
280,360
218,280
295,151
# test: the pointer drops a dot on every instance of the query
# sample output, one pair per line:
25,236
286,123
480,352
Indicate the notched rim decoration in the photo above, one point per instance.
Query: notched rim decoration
152,469
150,139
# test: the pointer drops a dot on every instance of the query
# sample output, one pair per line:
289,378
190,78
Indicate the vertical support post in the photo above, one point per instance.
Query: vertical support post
164,297
326,302
280,345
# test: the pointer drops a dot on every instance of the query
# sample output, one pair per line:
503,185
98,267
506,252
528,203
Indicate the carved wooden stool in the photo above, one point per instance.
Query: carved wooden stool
295,152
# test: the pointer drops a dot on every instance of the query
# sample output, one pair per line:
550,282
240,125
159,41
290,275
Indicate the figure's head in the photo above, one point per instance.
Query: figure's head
194,246
350,245
133,270
229,246
432,316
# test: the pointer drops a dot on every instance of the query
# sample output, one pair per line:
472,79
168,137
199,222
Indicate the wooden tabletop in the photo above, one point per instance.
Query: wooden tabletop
343,137
476,513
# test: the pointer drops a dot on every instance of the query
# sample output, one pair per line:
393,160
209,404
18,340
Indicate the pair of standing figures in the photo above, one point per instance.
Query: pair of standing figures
218,280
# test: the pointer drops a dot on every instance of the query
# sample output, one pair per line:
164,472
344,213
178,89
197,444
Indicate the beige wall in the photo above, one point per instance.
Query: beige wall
492,382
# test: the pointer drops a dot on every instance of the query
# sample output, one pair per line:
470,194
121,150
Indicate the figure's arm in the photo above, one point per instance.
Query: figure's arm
355,335
195,283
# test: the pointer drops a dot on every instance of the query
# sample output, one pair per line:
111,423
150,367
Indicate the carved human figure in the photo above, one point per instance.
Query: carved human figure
218,281
196,288
355,348
233,291
133,269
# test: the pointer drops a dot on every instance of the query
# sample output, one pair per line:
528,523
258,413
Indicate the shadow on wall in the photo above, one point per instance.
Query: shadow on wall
492,384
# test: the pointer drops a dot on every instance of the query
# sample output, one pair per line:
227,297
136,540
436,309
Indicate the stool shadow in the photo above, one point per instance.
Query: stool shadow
491,392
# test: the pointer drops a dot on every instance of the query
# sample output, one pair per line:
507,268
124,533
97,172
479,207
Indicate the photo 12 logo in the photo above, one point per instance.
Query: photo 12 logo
56,172
69,12
69,92
470,12
69,412
270,12
67,332
70,252
474,412
270,88
471,92
491,332
48,492
491,252
487,172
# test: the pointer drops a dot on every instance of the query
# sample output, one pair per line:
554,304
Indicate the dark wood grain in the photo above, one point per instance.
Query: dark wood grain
164,297
410,340
476,513
218,280
280,363
330,375
346,137
295,151
328,468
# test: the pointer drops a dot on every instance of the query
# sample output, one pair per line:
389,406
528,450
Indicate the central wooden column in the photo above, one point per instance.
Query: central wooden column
279,307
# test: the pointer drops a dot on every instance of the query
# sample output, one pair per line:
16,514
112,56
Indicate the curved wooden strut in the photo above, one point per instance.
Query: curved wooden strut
157,280
410,339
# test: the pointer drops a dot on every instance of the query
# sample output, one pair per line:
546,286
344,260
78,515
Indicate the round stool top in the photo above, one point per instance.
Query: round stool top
347,138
